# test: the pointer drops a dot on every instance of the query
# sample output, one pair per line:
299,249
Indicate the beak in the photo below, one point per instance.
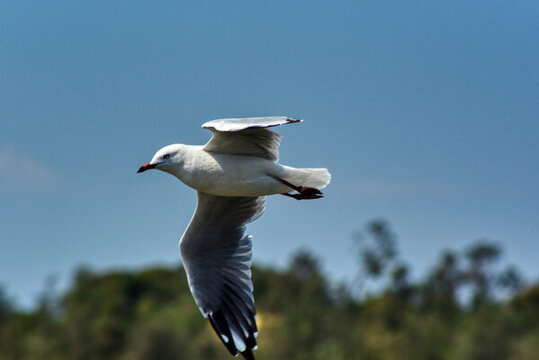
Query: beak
145,167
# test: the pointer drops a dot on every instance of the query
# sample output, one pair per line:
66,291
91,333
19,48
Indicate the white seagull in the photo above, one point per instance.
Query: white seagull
232,174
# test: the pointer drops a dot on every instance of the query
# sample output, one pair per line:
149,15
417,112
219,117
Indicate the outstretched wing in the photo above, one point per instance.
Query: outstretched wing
216,255
247,136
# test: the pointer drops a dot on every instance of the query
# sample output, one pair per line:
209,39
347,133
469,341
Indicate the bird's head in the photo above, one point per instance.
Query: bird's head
165,159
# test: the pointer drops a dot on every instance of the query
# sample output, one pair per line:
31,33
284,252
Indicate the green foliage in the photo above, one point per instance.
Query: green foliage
463,309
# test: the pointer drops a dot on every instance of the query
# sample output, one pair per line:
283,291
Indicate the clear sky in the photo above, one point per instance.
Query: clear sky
426,113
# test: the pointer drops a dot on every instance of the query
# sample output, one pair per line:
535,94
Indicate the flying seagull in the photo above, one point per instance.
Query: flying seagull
233,173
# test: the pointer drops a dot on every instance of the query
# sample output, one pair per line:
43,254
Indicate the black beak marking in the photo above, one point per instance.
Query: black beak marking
145,167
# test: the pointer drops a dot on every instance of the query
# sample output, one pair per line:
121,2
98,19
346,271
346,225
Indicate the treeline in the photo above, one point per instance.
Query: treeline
466,307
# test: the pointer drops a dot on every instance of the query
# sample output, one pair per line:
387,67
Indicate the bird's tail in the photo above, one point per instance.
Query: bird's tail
317,178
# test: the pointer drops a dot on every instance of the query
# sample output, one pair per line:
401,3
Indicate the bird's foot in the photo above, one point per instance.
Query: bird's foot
304,196
304,193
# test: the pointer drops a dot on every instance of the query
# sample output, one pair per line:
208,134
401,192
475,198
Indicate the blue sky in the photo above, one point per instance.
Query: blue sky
426,113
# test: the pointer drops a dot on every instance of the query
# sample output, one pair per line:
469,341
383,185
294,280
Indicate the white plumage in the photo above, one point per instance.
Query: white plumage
232,174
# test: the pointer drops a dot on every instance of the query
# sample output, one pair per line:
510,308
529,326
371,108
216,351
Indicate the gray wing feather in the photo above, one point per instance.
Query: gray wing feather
216,255
238,124
246,136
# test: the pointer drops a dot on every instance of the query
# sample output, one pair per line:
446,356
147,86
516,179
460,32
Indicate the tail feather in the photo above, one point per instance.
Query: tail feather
317,178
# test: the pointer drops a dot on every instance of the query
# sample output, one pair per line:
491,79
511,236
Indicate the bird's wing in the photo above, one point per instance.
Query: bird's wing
216,255
247,136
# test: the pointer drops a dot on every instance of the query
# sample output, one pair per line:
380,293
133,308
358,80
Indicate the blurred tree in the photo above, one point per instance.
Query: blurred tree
6,308
439,291
510,280
481,255
377,255
302,314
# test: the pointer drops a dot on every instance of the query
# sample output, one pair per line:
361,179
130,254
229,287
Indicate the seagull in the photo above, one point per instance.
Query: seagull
232,174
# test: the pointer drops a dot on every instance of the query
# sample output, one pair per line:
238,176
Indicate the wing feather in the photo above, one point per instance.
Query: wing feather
246,136
216,254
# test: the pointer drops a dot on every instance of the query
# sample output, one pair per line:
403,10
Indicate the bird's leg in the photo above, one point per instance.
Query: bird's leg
305,193
303,197
301,189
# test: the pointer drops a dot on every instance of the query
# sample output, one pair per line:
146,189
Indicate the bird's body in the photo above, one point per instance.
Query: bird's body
228,175
232,173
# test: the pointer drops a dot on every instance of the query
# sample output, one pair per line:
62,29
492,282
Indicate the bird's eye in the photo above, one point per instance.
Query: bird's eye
166,156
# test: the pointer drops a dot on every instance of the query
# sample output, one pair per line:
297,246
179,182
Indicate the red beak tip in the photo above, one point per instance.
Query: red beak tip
144,168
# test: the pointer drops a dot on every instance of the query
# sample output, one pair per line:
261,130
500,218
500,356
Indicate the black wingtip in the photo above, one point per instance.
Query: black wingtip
248,354
218,323
292,120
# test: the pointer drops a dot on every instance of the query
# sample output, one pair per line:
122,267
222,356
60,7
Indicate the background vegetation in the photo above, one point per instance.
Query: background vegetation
467,307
